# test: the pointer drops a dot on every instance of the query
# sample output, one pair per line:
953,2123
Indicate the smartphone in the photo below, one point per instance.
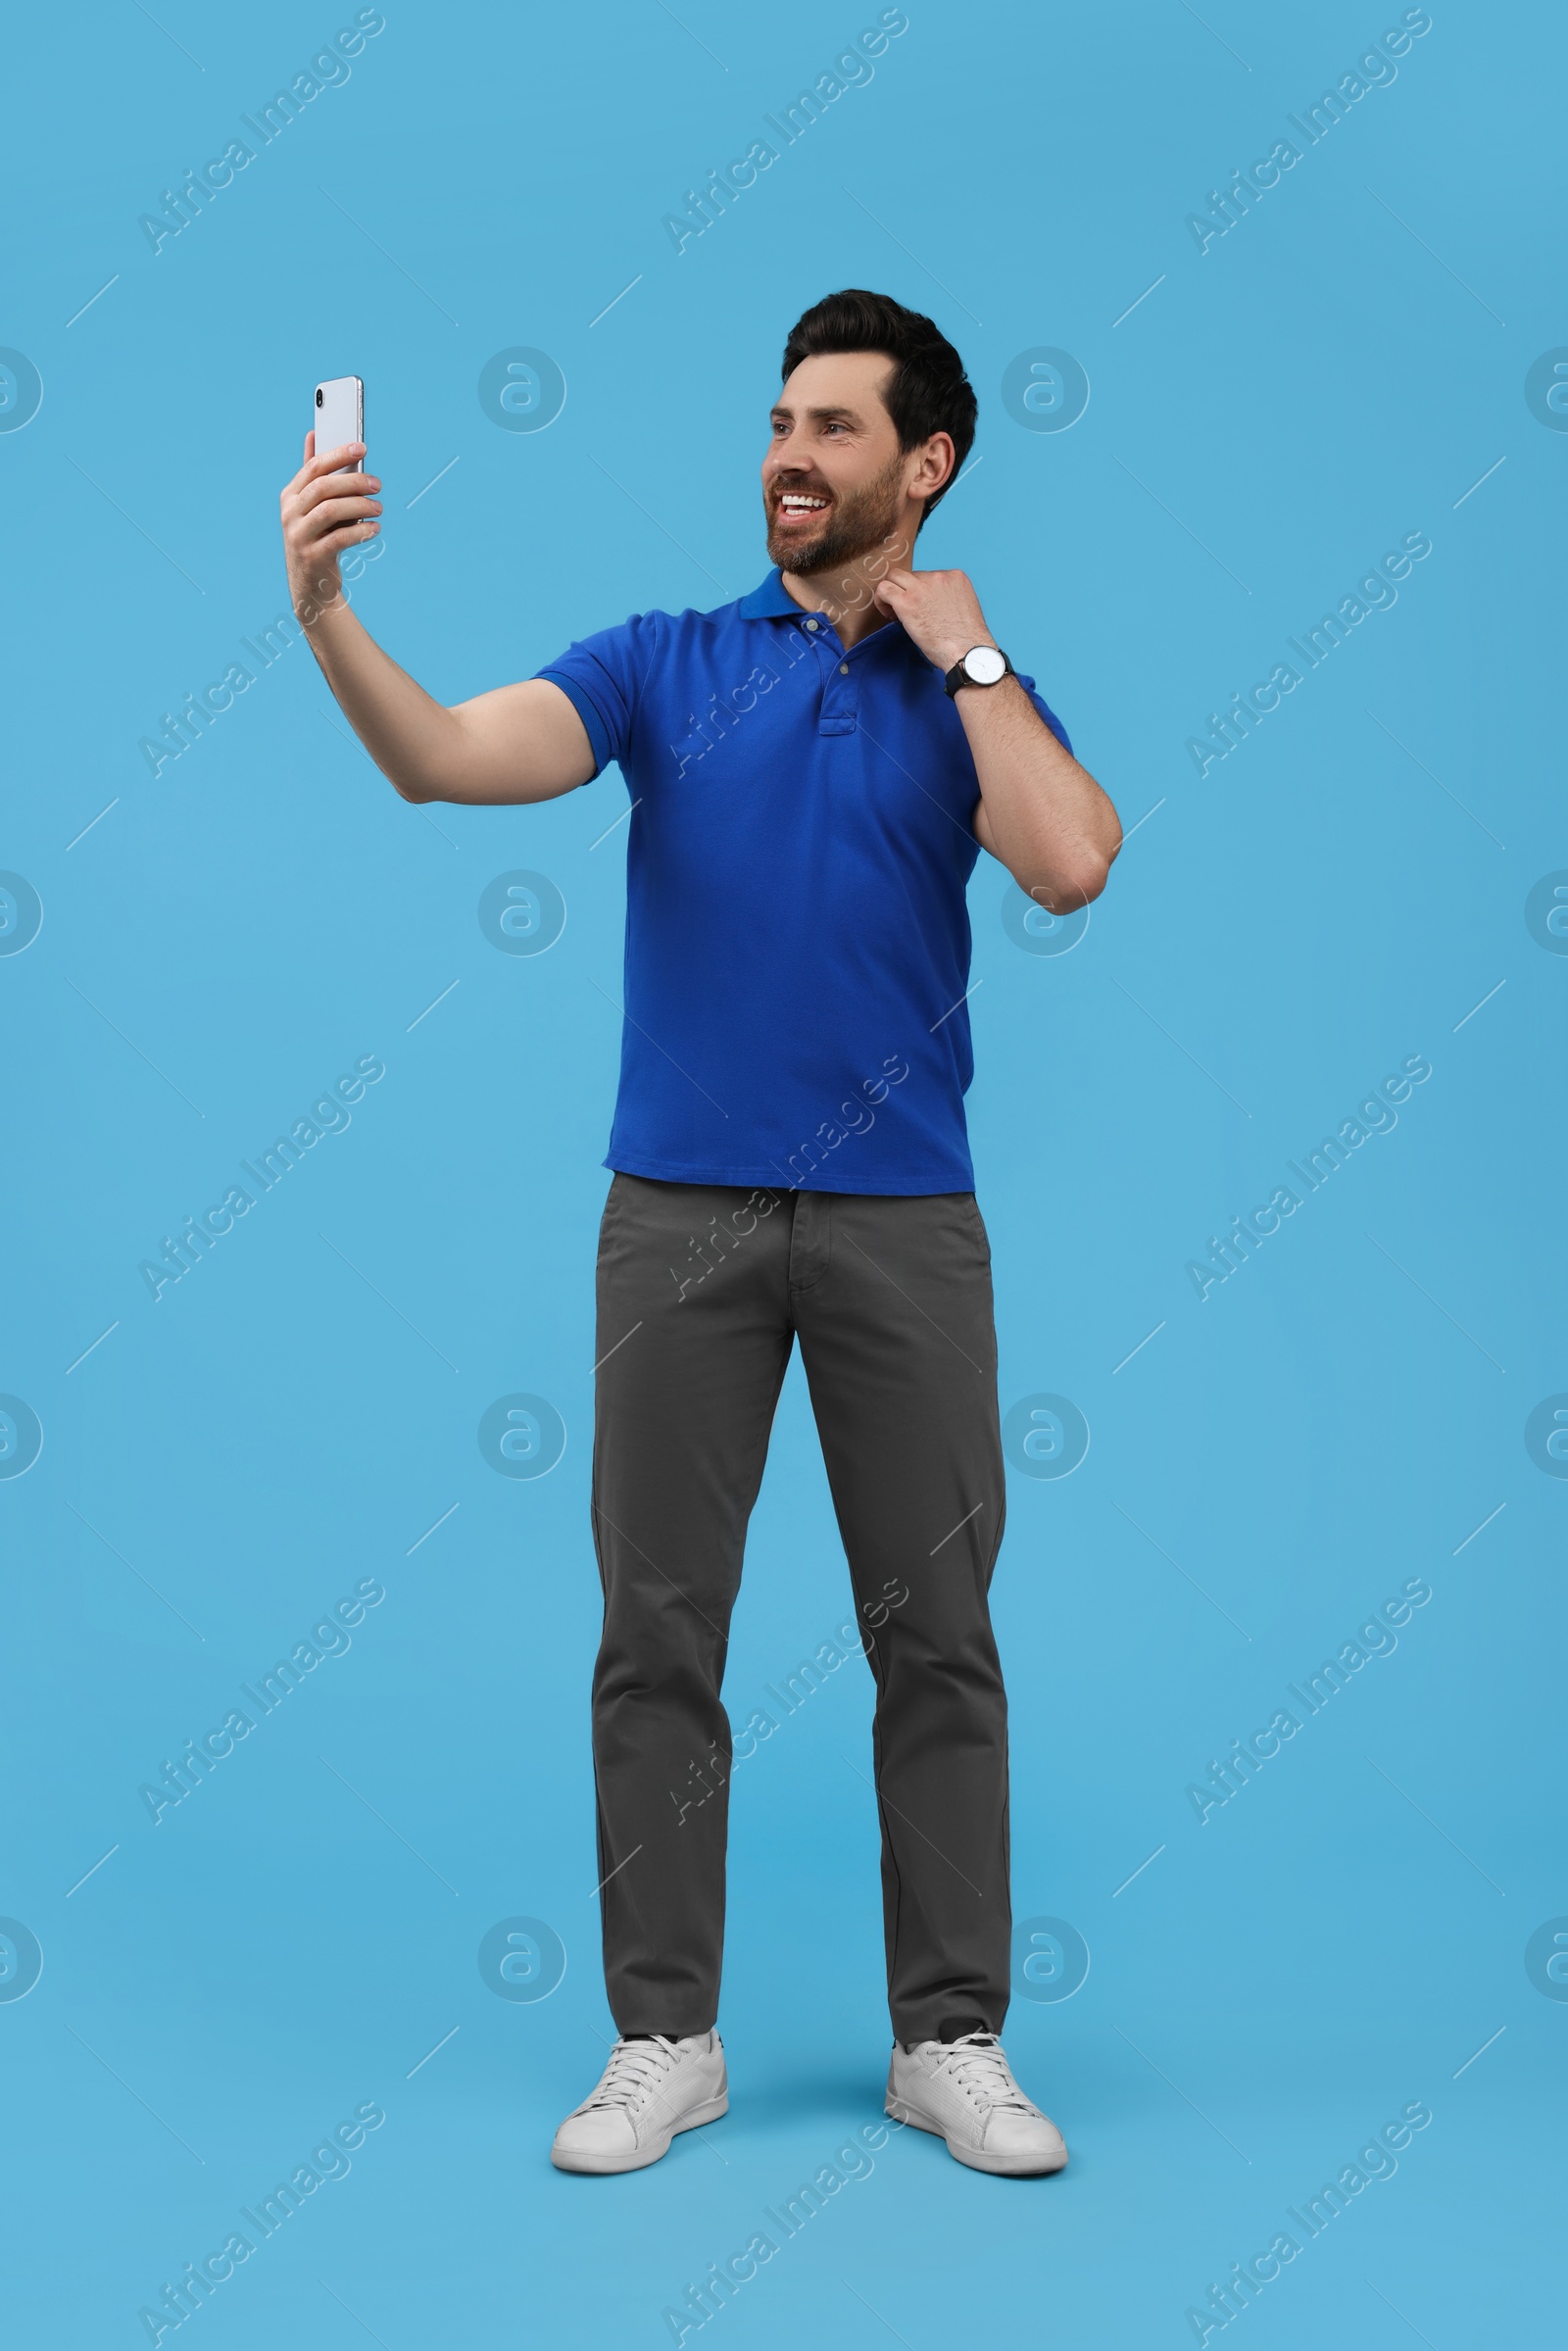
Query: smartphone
340,415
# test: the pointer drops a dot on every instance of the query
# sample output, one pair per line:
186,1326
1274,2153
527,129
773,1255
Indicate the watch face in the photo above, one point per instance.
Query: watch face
984,665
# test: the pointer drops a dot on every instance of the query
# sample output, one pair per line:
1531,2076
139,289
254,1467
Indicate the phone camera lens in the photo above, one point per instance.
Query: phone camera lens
318,396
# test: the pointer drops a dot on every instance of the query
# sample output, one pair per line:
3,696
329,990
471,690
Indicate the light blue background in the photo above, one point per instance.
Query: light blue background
1338,1417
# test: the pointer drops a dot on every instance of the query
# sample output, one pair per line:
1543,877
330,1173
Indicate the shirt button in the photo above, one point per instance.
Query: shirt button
810,624
844,669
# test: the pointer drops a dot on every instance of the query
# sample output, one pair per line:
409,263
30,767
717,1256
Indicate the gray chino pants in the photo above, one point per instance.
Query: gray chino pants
702,1290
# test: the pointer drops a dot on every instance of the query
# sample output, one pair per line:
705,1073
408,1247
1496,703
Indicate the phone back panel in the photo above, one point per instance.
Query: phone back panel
340,414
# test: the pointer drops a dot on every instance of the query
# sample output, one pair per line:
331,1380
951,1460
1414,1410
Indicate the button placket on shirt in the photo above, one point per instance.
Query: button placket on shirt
840,713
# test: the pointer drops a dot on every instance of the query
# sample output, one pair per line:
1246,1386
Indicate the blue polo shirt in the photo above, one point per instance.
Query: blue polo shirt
796,932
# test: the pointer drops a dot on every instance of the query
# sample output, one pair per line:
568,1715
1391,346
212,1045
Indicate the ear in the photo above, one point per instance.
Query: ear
937,461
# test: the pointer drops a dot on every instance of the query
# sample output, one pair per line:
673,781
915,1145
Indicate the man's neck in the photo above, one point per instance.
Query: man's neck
846,594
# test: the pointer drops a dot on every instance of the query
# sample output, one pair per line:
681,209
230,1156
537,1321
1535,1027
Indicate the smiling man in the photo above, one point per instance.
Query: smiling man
813,770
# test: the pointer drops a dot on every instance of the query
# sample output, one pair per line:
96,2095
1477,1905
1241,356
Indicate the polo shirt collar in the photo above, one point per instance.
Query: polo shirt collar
771,602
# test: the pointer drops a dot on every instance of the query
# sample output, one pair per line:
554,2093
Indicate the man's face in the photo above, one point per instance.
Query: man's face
834,477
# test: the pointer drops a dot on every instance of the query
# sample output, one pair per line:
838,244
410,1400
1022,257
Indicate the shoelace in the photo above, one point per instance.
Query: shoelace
635,2072
978,2066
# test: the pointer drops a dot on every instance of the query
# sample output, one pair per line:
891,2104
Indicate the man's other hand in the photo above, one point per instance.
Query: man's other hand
939,609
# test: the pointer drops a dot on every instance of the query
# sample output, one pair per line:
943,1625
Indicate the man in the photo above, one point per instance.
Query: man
813,770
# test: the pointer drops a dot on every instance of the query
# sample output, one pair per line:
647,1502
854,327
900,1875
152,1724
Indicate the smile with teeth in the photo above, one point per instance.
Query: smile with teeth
799,503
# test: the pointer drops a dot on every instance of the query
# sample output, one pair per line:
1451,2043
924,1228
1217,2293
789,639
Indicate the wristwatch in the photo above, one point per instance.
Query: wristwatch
981,666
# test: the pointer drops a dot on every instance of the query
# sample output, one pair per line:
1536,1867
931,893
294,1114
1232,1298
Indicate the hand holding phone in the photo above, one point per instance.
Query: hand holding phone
328,507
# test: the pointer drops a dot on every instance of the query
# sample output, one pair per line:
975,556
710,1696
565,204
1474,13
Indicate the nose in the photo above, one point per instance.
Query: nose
782,456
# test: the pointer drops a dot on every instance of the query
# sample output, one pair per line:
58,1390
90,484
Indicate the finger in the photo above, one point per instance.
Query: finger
314,495
322,460
309,446
347,535
337,485
333,512
318,465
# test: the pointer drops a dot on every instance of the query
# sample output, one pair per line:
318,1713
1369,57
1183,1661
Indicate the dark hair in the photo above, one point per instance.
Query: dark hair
928,392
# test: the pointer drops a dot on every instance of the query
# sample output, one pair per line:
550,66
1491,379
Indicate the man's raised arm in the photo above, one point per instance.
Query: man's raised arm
519,742
1040,813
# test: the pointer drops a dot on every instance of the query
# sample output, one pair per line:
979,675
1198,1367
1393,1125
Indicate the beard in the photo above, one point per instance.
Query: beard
857,522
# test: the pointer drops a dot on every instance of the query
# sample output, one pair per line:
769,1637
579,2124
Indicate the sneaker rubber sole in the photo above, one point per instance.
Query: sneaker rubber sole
564,2160
1001,2167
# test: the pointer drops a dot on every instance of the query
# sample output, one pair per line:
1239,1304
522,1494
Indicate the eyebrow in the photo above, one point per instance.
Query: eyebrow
819,416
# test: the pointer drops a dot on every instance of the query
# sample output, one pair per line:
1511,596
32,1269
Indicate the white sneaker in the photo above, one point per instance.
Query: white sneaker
965,2092
649,2090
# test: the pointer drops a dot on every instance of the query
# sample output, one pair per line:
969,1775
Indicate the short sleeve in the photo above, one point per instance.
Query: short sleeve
602,677
1045,713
